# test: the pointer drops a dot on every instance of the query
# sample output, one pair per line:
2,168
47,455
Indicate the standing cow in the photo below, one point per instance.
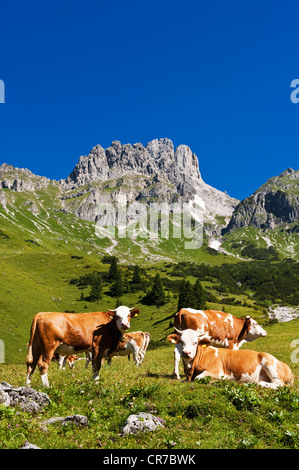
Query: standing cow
102,346
201,359
67,333
222,329
135,343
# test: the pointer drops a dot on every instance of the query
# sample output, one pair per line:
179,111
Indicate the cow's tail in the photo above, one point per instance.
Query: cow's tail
29,357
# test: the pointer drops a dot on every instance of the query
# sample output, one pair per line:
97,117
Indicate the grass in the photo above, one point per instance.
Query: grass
198,415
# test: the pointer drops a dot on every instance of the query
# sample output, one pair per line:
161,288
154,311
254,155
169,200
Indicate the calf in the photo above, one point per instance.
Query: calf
222,329
135,343
62,360
200,360
69,333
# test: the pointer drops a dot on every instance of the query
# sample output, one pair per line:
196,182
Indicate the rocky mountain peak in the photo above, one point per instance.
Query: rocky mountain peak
158,156
157,172
20,179
276,202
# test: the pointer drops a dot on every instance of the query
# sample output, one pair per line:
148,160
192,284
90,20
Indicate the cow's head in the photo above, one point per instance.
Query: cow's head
71,360
253,329
123,316
187,340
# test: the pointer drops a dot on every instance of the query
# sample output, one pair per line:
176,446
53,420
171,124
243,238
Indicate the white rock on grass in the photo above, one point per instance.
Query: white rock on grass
142,422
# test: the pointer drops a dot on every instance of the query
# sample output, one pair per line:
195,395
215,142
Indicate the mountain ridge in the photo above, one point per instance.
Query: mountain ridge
156,173
147,174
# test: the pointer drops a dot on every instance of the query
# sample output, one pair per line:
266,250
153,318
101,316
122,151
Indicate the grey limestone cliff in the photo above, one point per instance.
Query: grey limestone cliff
156,172
274,203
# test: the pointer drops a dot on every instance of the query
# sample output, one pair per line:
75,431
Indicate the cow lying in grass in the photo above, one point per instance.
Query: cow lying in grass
200,360
223,329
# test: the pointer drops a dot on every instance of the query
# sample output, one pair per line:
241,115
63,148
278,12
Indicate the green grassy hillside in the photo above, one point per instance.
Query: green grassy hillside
44,250
198,415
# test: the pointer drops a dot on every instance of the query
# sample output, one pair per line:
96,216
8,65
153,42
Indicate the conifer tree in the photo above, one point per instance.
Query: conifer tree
96,289
156,295
186,295
113,270
136,278
137,282
198,296
117,288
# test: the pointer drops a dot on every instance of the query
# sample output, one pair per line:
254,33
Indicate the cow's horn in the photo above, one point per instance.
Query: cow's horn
247,317
179,332
133,308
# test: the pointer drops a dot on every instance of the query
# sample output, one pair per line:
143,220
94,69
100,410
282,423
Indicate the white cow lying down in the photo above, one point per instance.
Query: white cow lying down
200,360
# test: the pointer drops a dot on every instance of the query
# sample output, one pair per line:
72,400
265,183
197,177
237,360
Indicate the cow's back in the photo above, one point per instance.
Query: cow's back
222,328
189,319
70,328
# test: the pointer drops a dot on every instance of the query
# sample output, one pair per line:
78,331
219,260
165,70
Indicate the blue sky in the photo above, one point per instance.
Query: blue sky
212,75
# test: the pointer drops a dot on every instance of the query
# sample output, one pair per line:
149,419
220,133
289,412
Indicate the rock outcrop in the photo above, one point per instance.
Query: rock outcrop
273,204
20,179
157,157
26,398
155,173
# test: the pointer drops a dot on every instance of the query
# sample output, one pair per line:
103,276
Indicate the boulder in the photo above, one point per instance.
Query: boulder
26,398
142,422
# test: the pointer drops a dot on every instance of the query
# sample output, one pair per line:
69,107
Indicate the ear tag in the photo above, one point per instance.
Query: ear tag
204,346
110,317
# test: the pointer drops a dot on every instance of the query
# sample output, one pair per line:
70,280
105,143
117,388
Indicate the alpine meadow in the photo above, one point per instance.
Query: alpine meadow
53,260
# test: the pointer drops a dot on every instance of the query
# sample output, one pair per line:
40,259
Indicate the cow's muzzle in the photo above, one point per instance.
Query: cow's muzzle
186,354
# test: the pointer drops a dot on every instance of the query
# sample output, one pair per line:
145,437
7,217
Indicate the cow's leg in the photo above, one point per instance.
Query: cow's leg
141,355
135,357
270,370
43,364
177,357
64,362
60,361
32,360
30,369
202,375
88,356
97,361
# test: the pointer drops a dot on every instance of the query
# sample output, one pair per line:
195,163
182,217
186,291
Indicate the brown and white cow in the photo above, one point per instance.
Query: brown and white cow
102,347
135,343
222,329
245,366
62,360
69,333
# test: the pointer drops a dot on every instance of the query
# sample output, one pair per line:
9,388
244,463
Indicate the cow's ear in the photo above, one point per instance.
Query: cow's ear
173,338
111,313
134,312
204,342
